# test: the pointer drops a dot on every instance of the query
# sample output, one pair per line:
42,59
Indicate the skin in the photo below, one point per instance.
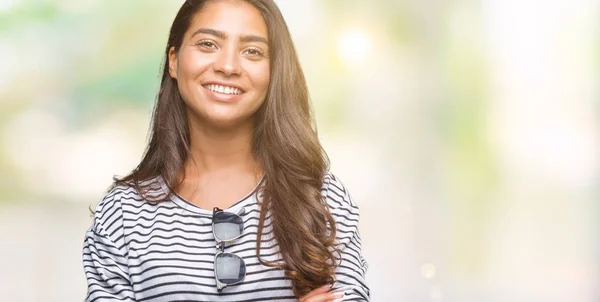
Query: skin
322,294
225,43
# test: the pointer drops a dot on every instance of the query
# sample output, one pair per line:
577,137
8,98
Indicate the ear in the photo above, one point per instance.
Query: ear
173,64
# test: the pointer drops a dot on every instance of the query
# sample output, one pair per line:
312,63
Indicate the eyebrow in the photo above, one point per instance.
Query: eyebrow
222,35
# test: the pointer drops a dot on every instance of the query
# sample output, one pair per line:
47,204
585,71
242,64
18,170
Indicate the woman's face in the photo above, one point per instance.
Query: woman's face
222,68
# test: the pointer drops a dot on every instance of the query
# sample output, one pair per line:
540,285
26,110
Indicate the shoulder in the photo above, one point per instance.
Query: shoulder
108,214
338,198
125,195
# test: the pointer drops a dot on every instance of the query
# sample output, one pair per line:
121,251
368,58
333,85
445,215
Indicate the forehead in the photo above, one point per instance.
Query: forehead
231,17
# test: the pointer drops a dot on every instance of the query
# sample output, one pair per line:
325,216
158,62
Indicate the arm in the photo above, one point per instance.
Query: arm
104,260
352,268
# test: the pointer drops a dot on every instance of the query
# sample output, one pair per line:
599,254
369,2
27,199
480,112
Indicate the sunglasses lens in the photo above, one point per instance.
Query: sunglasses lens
227,226
230,268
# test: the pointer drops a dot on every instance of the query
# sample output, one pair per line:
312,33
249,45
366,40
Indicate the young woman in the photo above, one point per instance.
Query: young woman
233,200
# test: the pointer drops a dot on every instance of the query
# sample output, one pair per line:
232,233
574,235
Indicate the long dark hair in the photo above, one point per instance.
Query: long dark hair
285,142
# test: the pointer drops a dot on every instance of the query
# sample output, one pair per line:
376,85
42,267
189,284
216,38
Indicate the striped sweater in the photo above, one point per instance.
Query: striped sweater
139,251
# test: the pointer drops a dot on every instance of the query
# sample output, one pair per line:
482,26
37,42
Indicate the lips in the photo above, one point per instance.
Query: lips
224,93
223,89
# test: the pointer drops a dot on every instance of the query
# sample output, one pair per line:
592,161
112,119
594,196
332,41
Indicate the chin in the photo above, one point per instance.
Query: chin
227,122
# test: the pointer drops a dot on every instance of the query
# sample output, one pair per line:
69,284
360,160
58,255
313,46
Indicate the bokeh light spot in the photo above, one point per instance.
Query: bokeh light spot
428,270
353,46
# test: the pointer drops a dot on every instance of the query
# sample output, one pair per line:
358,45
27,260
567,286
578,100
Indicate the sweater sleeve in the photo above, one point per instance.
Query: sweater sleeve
352,269
104,255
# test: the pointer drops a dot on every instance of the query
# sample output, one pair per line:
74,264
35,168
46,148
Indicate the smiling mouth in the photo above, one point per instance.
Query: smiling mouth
223,89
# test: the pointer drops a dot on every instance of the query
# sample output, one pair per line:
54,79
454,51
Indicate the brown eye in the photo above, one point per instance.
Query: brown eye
255,52
206,44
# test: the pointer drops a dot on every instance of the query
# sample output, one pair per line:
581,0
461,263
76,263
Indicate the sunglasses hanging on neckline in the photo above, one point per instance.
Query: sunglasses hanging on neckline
229,268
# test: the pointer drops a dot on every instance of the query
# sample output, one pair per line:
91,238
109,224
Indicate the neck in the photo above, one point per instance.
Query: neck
217,151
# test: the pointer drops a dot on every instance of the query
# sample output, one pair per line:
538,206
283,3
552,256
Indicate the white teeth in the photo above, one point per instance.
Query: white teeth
223,89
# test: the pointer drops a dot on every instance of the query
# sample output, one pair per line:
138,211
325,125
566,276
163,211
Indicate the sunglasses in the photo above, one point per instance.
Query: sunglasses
230,269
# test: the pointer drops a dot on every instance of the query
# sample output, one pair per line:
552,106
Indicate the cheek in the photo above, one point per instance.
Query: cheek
262,77
191,64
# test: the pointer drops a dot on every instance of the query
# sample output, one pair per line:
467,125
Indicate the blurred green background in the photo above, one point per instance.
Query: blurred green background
467,132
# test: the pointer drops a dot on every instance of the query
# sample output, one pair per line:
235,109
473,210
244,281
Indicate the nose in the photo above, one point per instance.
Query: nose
228,62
